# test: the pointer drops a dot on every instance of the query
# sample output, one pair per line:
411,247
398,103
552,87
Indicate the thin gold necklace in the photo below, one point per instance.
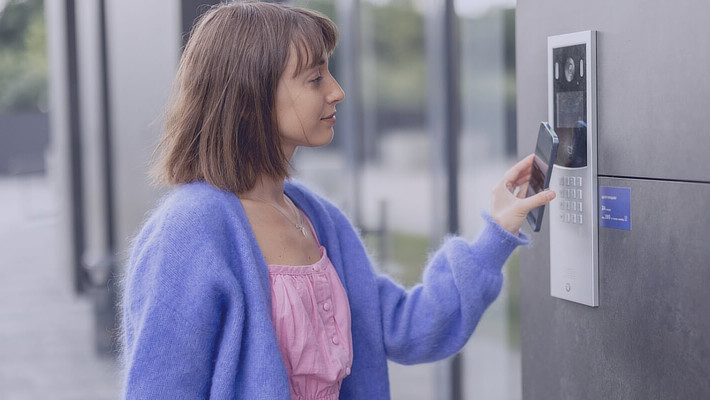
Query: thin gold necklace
299,224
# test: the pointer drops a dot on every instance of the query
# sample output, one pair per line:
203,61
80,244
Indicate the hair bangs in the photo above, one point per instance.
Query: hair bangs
314,38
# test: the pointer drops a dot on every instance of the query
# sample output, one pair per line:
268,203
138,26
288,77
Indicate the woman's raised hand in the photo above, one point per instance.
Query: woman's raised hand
509,206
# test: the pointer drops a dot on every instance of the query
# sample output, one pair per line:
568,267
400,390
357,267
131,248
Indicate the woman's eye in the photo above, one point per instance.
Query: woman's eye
318,79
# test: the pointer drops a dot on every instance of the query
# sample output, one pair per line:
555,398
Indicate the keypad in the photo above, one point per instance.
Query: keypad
571,201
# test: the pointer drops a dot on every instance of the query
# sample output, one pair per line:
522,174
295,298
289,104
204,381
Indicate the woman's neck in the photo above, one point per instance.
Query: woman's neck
266,189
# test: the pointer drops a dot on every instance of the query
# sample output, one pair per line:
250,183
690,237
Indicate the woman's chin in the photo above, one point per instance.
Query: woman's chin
322,139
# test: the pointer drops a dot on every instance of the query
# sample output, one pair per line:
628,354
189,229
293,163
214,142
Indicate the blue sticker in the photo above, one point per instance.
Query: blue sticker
615,207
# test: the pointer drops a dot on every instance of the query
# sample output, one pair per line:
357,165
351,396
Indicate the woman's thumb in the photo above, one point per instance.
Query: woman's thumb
537,200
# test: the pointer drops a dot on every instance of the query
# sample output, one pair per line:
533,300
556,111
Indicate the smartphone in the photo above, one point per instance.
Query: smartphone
545,156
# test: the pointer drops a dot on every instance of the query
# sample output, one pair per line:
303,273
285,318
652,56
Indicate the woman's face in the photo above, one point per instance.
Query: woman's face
305,105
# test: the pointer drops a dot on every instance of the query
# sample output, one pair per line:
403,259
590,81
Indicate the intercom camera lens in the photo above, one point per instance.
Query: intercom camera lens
569,69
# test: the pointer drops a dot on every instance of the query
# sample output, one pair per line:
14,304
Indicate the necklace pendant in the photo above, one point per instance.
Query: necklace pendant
302,229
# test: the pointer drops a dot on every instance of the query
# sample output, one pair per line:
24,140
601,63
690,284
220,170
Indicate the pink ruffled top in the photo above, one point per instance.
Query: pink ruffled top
311,317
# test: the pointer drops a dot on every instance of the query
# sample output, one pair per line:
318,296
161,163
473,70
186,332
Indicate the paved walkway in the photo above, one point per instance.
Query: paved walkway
46,331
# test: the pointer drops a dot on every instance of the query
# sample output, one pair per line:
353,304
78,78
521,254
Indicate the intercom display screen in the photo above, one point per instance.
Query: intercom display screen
570,86
570,109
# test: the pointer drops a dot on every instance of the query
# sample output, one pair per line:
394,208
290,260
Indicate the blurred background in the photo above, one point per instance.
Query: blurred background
427,129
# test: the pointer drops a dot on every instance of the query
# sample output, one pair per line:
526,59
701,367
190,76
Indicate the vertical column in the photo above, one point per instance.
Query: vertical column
444,122
64,123
350,111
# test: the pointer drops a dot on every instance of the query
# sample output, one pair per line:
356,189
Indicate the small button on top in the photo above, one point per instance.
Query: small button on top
315,268
326,306
336,340
347,370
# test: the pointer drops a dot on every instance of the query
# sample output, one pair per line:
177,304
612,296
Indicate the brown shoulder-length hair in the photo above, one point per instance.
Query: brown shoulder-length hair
221,122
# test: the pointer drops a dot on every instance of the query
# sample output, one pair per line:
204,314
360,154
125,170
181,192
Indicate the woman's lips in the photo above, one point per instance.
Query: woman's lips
331,118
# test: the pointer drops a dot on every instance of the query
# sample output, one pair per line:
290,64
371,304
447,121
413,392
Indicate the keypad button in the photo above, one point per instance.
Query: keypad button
579,194
567,218
580,220
574,218
579,181
562,181
579,206
574,206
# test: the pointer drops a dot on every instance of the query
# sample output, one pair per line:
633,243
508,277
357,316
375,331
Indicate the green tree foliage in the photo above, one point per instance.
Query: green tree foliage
398,51
23,56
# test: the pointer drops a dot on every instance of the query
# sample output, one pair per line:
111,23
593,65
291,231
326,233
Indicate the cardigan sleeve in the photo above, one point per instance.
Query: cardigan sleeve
176,302
434,319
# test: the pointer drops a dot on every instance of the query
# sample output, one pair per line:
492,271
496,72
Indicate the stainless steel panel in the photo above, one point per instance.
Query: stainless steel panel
574,251
650,336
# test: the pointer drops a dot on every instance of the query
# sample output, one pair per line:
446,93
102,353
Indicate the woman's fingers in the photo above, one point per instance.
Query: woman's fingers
520,169
523,191
537,200
522,180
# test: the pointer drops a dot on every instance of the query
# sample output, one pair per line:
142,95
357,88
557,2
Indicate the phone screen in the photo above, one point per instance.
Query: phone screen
545,152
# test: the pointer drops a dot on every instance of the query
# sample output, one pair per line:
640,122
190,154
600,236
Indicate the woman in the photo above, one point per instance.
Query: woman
244,284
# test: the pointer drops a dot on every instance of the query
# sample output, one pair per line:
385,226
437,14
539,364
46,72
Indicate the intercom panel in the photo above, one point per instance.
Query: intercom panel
574,212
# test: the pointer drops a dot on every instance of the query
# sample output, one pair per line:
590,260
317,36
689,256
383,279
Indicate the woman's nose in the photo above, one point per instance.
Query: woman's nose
336,94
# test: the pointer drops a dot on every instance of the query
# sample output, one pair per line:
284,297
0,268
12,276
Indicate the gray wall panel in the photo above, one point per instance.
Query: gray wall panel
650,337
652,86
